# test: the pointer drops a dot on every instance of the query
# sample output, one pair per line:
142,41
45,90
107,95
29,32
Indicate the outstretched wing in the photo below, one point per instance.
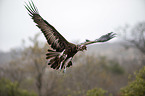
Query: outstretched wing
54,38
103,38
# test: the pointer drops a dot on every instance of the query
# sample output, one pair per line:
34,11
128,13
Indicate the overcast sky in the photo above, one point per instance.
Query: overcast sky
74,19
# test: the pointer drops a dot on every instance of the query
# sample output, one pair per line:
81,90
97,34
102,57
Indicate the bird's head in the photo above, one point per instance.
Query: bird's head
81,47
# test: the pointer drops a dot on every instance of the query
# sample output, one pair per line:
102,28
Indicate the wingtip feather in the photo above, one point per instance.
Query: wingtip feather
31,8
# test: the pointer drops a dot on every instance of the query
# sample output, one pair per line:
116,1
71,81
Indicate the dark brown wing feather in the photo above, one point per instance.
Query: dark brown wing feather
54,38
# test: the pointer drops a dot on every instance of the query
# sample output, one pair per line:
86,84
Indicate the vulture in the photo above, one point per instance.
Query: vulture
61,53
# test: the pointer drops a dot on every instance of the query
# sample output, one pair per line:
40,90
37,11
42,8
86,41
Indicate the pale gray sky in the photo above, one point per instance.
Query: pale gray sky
74,19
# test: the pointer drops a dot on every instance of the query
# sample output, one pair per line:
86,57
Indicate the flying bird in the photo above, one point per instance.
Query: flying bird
61,53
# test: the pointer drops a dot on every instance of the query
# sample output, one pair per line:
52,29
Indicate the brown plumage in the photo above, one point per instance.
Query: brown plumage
62,51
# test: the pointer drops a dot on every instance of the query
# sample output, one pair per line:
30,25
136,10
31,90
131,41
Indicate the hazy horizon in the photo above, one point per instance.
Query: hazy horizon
75,20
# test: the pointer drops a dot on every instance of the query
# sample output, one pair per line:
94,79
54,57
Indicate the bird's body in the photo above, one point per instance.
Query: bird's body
60,60
62,52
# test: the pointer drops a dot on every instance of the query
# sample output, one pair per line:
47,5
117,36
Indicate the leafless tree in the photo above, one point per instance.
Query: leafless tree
136,36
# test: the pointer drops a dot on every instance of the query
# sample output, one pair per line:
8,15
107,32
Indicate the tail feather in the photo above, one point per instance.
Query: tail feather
54,59
51,61
52,54
54,65
57,60
49,50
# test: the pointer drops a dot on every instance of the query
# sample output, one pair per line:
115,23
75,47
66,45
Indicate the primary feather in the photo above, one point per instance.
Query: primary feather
54,38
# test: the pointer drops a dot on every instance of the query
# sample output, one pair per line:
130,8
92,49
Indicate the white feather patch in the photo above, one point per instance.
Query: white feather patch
61,53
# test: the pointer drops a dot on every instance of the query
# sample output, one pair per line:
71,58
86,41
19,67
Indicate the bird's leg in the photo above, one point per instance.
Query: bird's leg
64,69
66,63
68,60
62,62
60,65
